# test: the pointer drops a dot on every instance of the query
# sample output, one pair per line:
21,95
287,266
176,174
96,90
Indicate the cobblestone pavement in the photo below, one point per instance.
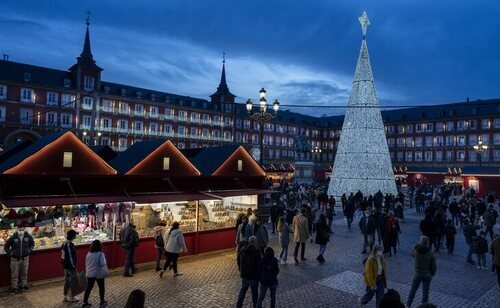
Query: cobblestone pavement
213,280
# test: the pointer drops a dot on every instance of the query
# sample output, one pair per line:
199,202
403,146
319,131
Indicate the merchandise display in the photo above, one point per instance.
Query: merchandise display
223,214
48,224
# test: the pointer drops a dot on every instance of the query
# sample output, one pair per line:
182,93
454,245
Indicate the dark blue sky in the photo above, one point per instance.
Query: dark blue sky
302,52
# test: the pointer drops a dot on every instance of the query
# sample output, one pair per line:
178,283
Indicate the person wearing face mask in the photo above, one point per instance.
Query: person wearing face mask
19,247
375,276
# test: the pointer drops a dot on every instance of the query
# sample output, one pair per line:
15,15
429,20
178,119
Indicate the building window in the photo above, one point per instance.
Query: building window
400,142
106,123
216,134
123,108
485,138
496,123
139,110
166,163
227,136
496,139
461,125
167,128
271,140
438,141
27,95
182,115
50,118
418,156
88,83
450,156
122,143
52,98
3,91
472,155
418,141
26,116
461,155
238,137
238,123
450,140
122,125
181,145
194,131
153,128
409,142
181,130
496,155
461,140
67,82
399,156
255,139
439,126
428,141
485,124
428,156
428,127
67,100
67,159
105,141
245,138
409,128
88,103
472,139
217,119
107,105
66,120
418,128
86,121
439,155
138,126
450,126
153,111
2,114
408,156
206,119
240,165
168,112
473,124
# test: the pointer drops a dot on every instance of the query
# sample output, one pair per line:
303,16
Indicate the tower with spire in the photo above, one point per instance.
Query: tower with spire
86,75
223,97
362,161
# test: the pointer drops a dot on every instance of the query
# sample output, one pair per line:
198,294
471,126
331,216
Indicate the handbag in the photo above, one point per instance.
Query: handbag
78,283
103,271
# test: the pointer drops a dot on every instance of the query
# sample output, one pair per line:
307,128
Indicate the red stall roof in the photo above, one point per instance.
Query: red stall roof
54,200
158,198
239,192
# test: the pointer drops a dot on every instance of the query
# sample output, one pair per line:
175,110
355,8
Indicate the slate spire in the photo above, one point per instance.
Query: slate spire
86,58
223,95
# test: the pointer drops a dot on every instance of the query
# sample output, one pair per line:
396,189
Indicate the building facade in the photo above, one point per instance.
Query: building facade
35,101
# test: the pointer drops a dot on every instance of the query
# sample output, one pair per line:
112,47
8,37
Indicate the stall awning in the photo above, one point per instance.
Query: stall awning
240,192
177,197
50,201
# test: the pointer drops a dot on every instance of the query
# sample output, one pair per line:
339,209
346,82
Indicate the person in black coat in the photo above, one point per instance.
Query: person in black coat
367,227
480,248
268,277
428,228
469,233
450,232
393,230
249,260
322,236
440,223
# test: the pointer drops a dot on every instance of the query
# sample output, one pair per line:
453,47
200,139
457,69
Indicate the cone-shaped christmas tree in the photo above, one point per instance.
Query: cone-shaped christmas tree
362,161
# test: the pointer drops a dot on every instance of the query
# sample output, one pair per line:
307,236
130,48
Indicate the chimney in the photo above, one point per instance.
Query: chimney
5,57
467,99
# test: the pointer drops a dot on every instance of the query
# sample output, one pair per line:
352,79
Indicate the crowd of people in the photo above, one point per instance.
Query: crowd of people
304,214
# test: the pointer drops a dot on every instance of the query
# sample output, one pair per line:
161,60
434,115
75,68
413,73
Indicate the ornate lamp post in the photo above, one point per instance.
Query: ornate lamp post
262,117
480,148
316,150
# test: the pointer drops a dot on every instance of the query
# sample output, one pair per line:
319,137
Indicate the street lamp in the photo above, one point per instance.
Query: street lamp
316,150
480,148
262,117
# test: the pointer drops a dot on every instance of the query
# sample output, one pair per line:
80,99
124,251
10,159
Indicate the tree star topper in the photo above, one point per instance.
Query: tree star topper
365,22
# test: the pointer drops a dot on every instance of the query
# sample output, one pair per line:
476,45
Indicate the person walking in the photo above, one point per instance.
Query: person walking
96,270
393,230
19,247
268,273
440,223
349,211
262,235
159,243
322,236
249,260
480,248
495,251
129,240
174,245
68,260
275,214
428,228
243,233
300,234
284,231
450,232
136,299
367,227
375,276
425,269
329,215
490,219
469,233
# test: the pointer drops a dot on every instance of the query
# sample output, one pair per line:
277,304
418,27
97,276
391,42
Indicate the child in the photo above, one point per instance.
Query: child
450,232
284,231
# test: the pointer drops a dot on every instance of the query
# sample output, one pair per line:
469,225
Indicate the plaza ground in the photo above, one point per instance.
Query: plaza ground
213,280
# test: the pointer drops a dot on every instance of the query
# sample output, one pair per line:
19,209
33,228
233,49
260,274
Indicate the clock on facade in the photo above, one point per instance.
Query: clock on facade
255,153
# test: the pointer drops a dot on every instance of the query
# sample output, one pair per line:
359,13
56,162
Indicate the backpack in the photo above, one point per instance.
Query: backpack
159,240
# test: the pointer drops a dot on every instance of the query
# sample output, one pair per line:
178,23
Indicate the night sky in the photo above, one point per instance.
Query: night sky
303,52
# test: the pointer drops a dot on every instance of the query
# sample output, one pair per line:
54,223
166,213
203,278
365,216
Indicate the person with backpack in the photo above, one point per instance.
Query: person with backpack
96,270
268,277
174,245
375,276
129,240
68,260
19,247
480,248
159,243
450,231
249,260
